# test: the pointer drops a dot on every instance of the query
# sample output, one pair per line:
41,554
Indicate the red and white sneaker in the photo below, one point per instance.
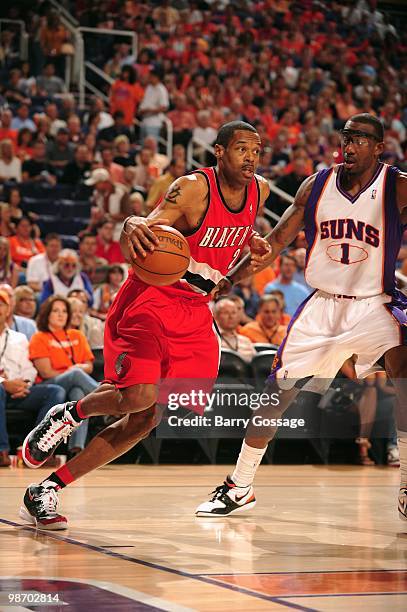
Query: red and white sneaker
42,441
40,507
228,499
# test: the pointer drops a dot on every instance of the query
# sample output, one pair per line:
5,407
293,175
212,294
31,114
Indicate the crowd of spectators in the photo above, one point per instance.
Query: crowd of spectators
295,70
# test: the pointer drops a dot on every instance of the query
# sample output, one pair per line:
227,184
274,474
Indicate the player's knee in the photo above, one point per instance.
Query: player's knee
142,423
138,398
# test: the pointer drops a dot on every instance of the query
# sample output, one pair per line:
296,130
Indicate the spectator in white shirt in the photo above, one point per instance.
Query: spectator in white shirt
153,106
10,165
17,375
204,133
25,326
39,267
227,317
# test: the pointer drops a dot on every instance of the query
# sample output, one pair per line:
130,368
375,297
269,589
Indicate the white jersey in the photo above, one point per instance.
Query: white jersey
353,241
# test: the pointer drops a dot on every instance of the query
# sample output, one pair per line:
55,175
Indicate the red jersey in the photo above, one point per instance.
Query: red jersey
218,242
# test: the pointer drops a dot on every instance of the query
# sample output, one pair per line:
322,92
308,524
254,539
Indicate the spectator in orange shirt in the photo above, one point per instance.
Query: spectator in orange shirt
267,327
22,246
62,356
126,94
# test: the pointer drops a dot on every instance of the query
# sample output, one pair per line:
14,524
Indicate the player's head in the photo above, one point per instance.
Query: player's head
237,150
362,143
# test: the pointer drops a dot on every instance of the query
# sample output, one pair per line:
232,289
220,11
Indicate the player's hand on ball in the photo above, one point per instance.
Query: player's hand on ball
260,251
140,239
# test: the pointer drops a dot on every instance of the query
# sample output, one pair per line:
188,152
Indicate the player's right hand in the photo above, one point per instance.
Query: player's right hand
140,239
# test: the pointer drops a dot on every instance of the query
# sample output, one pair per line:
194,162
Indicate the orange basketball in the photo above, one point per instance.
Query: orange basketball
169,260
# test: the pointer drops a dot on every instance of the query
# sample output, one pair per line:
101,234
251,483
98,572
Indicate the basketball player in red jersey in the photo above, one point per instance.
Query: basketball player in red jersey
354,215
155,333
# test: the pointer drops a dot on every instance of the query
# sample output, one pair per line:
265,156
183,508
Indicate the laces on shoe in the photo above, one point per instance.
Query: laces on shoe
59,429
47,501
220,491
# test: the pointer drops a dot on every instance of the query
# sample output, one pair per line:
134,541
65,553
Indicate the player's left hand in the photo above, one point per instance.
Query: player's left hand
260,251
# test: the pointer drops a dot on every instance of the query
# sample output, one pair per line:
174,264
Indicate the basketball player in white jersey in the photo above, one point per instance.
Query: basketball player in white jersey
353,215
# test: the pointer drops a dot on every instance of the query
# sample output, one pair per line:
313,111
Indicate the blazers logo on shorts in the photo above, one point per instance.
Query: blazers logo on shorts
122,365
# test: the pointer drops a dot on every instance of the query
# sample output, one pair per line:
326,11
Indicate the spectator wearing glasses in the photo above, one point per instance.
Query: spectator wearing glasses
66,277
17,375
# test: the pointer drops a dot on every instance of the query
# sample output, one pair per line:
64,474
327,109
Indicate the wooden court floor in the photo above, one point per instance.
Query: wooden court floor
320,538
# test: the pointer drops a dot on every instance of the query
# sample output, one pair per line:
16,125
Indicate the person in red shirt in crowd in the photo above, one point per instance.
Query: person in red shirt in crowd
126,94
108,248
22,245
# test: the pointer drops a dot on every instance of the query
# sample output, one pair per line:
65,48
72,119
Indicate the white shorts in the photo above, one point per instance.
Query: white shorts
326,330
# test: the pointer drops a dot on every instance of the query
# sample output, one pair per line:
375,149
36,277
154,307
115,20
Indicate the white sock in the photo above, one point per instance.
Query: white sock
402,440
247,464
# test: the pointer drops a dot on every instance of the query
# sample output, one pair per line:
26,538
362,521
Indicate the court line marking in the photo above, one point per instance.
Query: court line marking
150,564
307,572
136,596
349,594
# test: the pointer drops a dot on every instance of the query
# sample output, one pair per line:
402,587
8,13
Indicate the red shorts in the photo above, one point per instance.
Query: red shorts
156,333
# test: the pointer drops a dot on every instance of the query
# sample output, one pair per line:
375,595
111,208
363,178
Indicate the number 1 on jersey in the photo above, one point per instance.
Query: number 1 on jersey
345,253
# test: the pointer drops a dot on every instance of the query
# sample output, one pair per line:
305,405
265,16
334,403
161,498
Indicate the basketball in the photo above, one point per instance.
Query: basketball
169,260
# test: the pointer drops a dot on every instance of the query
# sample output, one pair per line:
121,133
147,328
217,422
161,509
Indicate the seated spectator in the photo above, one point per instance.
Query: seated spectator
105,294
66,277
60,152
22,119
266,328
22,246
294,293
25,304
104,119
77,170
157,159
39,267
25,144
241,313
249,295
56,123
107,248
205,133
137,205
227,318
115,171
183,120
62,356
91,327
48,84
160,186
108,197
145,172
10,165
6,131
123,156
17,378
95,267
126,94
8,270
285,318
300,257
107,136
7,227
37,168
74,129
14,200
17,323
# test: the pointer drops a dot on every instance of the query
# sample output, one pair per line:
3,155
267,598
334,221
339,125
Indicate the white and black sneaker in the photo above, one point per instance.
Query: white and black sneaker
55,427
403,504
40,507
228,499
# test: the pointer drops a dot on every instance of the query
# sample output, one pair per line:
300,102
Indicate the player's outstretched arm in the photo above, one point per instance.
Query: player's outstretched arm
185,193
281,236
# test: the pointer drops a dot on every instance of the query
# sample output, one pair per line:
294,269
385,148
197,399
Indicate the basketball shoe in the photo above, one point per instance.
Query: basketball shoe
403,504
55,427
228,499
40,507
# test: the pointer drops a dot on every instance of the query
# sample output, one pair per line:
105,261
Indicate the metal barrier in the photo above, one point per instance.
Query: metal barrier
23,36
63,12
82,82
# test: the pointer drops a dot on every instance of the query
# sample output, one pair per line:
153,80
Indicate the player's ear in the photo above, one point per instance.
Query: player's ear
379,148
219,151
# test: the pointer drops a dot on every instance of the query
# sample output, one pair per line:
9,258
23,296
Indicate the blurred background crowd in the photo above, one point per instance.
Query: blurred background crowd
71,172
